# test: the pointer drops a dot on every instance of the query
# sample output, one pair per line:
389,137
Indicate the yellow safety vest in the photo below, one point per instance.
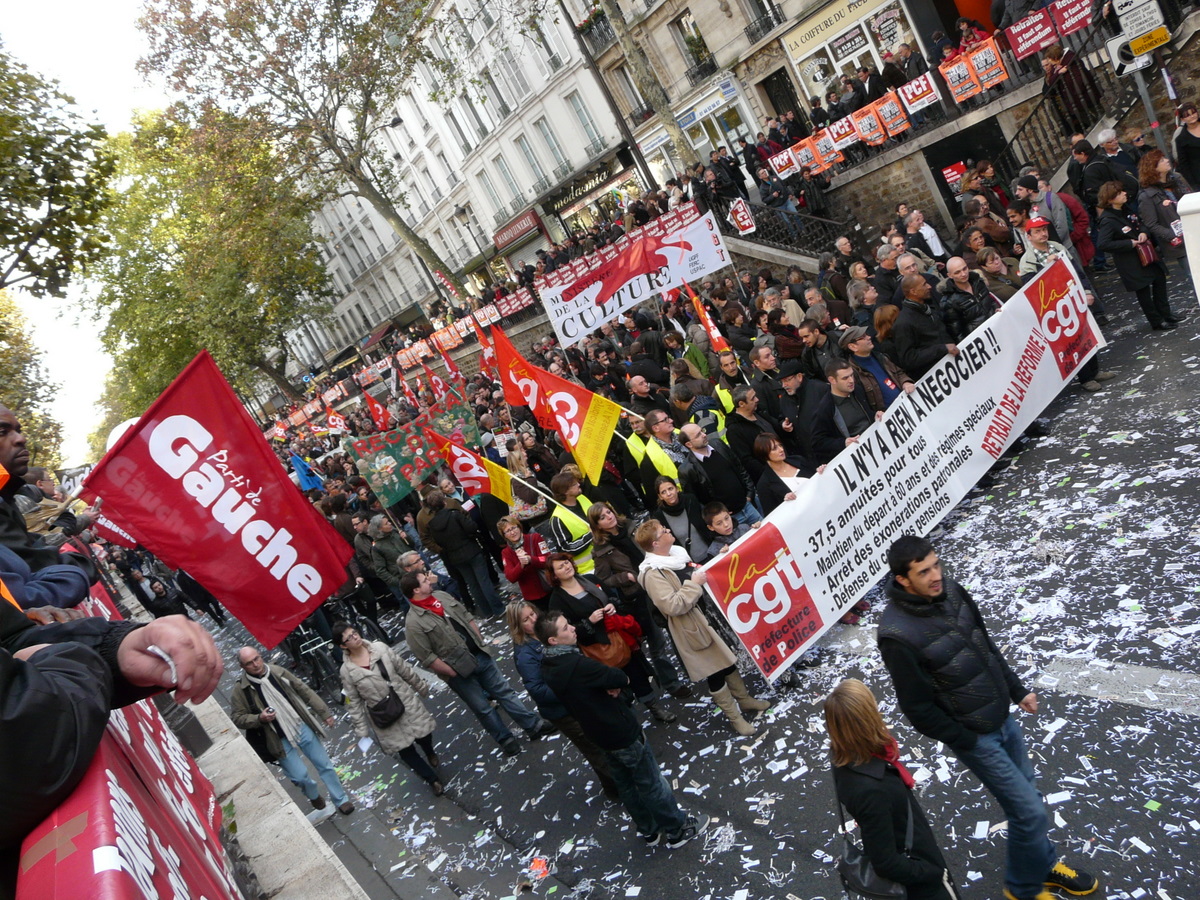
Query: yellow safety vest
637,448
718,415
577,528
661,462
724,395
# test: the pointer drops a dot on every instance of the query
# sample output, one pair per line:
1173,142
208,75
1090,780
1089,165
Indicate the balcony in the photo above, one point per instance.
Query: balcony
482,131
595,148
563,170
501,216
436,195
554,62
640,115
452,178
764,25
503,109
422,209
600,35
541,185
517,205
701,71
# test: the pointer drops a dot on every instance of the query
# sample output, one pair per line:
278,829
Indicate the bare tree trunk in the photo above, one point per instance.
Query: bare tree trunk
276,375
648,84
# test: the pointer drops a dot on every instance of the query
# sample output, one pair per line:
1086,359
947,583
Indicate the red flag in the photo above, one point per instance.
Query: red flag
488,358
197,483
435,383
409,395
112,532
715,338
586,421
477,474
379,413
336,422
520,384
451,369
279,432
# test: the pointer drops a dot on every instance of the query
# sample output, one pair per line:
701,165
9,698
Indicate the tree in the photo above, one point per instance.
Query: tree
212,248
322,77
54,172
24,386
648,84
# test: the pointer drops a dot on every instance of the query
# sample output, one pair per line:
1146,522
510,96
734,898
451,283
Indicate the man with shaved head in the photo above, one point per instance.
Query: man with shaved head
920,337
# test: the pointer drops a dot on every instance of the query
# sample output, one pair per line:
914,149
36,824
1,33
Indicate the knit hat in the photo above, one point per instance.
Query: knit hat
1028,182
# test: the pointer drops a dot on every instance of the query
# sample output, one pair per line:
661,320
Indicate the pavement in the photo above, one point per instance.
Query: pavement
1083,555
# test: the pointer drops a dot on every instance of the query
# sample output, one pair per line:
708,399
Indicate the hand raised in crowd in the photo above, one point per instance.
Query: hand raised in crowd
197,663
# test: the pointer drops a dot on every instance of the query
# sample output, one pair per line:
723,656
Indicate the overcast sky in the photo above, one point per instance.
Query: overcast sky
91,49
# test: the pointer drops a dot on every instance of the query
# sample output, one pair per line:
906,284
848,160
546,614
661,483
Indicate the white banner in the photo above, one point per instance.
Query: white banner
784,584
677,246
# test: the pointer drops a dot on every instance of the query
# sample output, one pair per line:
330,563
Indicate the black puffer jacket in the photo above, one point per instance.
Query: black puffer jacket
919,337
964,311
951,681
454,533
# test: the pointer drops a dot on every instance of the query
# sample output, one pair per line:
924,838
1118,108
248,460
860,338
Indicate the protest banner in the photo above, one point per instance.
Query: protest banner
919,93
199,485
843,133
891,114
806,154
112,532
584,420
960,78
70,479
827,153
784,584
477,474
868,125
678,246
143,821
1071,15
784,163
1031,34
987,64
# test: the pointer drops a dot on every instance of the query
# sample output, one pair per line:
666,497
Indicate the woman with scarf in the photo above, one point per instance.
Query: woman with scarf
617,557
524,558
1123,237
370,673
582,600
527,654
675,586
681,513
877,789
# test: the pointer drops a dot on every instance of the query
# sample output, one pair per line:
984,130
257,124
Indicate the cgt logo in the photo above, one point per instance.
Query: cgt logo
1061,308
757,583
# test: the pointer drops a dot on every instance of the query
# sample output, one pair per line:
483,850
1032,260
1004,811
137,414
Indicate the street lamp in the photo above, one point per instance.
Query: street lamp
464,215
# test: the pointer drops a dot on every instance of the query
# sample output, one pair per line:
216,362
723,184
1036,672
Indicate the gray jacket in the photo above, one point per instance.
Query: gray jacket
245,702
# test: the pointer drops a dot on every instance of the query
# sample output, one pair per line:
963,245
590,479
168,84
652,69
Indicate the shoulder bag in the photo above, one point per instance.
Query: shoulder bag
855,869
1147,255
387,711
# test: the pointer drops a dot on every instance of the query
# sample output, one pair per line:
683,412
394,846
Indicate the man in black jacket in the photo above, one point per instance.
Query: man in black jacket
744,424
842,414
592,693
919,337
954,686
718,475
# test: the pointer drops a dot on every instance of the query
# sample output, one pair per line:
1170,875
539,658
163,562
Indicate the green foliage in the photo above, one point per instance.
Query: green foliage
212,248
24,387
54,171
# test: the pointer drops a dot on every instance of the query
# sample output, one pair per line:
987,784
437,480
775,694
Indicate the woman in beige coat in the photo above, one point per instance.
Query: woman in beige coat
365,686
664,576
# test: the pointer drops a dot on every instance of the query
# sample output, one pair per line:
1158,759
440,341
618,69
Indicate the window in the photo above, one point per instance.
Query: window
507,175
490,190
515,78
530,157
628,87
690,41
548,47
466,145
584,117
473,115
499,108
550,140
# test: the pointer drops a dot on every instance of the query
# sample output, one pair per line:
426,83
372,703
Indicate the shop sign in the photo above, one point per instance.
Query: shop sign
817,29
848,45
526,224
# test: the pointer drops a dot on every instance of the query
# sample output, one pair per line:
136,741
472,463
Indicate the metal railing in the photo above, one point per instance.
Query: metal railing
517,205
701,71
784,230
554,61
595,148
541,185
452,178
501,216
641,114
563,170
764,25
600,35
503,109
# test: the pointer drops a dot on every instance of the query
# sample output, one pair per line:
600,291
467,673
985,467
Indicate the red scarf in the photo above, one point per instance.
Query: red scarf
891,755
431,603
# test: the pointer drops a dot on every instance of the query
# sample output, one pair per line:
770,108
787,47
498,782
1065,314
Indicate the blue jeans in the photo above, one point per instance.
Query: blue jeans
293,766
473,575
644,790
1001,763
747,515
484,684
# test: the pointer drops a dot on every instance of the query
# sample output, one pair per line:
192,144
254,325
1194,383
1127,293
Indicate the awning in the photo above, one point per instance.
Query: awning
378,334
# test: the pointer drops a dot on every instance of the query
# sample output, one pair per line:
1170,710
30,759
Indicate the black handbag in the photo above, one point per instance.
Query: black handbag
855,869
387,711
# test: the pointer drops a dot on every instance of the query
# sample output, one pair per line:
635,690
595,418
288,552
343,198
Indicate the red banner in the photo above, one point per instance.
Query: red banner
784,163
379,413
237,523
1032,34
741,216
477,474
106,528
585,421
919,93
1071,15
868,125
1059,301
891,114
826,151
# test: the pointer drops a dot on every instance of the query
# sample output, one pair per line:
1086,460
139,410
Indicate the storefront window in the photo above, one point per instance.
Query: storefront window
889,27
816,73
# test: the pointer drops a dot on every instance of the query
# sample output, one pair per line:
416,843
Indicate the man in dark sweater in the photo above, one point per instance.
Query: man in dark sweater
954,686
591,692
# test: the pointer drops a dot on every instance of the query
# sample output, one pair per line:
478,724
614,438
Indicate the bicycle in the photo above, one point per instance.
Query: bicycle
345,609
311,659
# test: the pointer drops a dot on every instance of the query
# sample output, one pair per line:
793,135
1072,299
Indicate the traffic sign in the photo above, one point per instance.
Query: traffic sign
1124,60
1120,7
1147,42
1142,19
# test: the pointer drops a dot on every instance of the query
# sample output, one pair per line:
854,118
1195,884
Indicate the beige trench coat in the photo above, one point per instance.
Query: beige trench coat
366,687
701,649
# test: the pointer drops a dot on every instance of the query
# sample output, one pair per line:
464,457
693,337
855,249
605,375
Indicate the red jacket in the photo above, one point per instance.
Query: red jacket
1080,228
527,578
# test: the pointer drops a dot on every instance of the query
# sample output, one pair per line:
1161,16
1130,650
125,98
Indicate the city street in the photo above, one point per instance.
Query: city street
1083,557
